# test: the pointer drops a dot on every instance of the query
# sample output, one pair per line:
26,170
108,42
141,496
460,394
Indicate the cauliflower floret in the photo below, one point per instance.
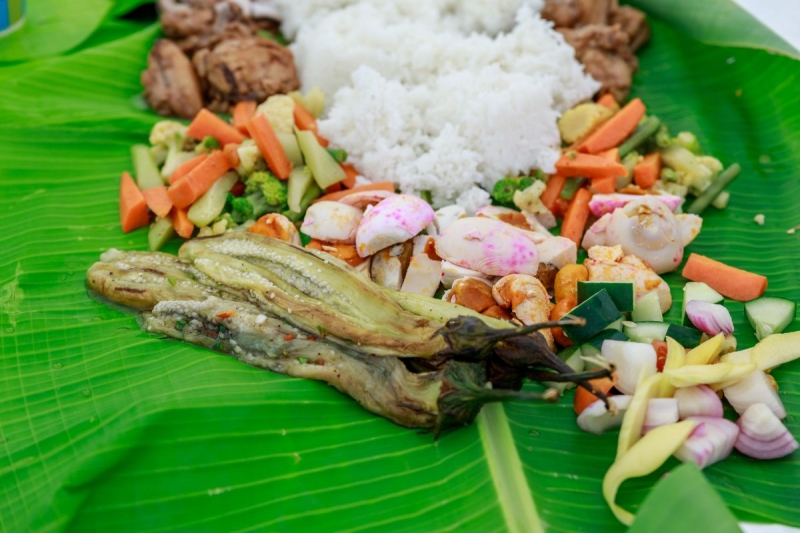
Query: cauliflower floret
528,200
168,133
250,158
279,110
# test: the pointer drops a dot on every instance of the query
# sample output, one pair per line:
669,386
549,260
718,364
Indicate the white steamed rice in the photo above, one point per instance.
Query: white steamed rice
442,96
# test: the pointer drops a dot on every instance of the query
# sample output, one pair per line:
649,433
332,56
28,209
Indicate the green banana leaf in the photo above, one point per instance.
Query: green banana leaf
106,428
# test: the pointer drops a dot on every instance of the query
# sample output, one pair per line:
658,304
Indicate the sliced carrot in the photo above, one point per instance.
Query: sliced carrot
584,398
189,188
230,151
350,181
186,167
647,171
132,205
207,124
614,130
336,196
158,201
560,209
576,216
345,252
237,189
180,221
242,113
552,191
577,165
269,146
608,100
304,120
612,155
604,185
731,282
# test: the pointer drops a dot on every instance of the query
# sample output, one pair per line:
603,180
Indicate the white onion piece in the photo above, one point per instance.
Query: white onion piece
597,419
660,412
754,388
635,361
709,318
699,400
763,435
711,441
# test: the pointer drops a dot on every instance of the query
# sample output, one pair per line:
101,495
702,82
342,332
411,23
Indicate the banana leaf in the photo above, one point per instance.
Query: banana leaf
104,427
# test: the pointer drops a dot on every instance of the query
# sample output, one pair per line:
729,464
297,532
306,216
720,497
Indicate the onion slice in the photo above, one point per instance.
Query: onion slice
711,441
763,435
710,318
699,400
660,412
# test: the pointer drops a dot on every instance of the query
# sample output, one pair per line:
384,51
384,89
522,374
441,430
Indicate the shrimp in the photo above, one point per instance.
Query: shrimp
527,298
610,264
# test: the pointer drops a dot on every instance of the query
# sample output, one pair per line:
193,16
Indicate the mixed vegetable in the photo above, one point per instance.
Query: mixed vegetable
624,189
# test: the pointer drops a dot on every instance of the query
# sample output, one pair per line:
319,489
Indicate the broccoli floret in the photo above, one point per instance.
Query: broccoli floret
503,191
338,154
265,193
206,145
239,208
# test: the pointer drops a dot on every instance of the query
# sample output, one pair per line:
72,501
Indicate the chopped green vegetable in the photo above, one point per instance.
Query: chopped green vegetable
684,139
324,168
571,186
503,191
160,232
144,167
239,208
694,171
338,154
723,180
646,129
206,145
266,193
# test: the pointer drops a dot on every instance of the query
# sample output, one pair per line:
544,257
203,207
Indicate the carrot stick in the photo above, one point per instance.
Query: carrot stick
608,100
604,185
584,398
230,151
552,191
576,216
132,205
304,120
158,201
189,188
186,167
614,130
647,171
731,282
180,221
242,113
336,196
207,124
350,181
612,155
576,165
269,146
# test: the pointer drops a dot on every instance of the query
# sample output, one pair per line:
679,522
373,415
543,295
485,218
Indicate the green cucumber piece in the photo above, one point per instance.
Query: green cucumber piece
645,331
769,315
161,230
599,311
697,290
616,325
573,357
299,181
144,167
647,308
324,168
685,336
174,159
209,206
291,147
621,292
606,334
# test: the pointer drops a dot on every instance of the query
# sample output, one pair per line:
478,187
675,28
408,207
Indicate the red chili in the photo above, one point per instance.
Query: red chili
661,353
225,314
288,337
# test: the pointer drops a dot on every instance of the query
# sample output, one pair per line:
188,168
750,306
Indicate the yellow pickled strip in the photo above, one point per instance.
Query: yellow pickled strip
691,375
707,352
676,358
645,457
776,349
631,430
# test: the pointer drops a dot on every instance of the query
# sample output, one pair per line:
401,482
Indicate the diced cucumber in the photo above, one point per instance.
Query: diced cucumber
606,334
769,315
161,230
174,159
647,308
685,336
315,101
587,350
697,290
324,168
144,167
621,292
617,325
299,181
291,147
599,311
645,331
208,207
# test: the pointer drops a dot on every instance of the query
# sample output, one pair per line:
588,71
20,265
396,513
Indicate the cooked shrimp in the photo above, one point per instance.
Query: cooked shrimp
610,264
527,298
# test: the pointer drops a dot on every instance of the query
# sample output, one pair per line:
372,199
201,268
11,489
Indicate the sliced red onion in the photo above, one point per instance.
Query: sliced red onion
754,388
711,441
763,435
699,400
597,419
710,318
660,412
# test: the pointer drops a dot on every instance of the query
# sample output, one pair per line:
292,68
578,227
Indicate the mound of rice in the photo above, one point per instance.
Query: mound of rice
446,96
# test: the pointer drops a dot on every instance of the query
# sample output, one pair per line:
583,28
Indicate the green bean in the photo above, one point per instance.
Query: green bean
707,196
642,132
